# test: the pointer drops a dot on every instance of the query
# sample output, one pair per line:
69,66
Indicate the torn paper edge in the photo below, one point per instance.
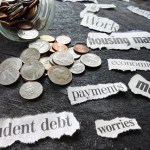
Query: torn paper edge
139,11
139,85
82,94
94,1
37,120
122,124
125,65
123,40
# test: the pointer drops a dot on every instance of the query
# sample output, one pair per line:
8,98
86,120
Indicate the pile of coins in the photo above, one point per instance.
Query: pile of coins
18,12
59,64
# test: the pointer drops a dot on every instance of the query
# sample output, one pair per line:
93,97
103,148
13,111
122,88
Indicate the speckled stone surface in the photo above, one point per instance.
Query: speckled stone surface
54,98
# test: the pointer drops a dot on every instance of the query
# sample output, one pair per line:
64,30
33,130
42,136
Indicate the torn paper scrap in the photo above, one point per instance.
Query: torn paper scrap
139,11
95,8
112,128
94,1
119,40
29,129
99,23
82,94
139,85
124,65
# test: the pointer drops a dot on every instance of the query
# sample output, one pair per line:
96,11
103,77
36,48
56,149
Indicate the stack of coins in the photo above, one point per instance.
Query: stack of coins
47,55
19,13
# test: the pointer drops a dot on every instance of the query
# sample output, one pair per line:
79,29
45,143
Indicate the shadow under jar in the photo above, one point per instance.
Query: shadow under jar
42,21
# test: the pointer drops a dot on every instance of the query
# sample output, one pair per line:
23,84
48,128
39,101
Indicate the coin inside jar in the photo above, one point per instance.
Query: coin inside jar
31,90
80,48
63,39
60,75
25,25
32,70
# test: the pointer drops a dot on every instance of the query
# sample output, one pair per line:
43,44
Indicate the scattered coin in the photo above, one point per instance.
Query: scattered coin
51,59
47,38
91,60
77,68
46,62
28,34
11,62
63,39
41,45
59,47
25,25
60,75
31,90
63,58
29,54
75,55
32,70
51,48
80,48
8,76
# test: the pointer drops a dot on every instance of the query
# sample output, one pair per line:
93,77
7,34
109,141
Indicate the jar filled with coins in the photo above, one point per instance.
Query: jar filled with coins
25,20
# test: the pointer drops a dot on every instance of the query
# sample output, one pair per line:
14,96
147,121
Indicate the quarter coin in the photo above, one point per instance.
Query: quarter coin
80,48
47,38
75,55
32,70
59,47
31,90
8,76
41,45
60,75
29,54
91,60
63,39
46,62
11,62
51,59
28,34
77,68
63,58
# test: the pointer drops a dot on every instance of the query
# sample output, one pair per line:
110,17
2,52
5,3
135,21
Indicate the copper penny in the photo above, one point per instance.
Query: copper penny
80,48
47,38
25,25
31,12
59,47
2,15
51,48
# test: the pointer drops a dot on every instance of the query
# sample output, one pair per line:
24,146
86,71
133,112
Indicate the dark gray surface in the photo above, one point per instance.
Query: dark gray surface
67,21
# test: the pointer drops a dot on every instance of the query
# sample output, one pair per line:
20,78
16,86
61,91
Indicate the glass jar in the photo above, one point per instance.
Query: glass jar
42,21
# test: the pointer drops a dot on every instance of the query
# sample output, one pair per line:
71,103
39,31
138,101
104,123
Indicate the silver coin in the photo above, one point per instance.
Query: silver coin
75,55
32,70
29,54
11,62
51,59
60,75
28,34
63,39
31,90
63,58
77,68
91,60
9,76
41,45
46,62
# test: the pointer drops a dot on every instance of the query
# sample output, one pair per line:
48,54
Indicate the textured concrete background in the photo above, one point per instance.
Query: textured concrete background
54,98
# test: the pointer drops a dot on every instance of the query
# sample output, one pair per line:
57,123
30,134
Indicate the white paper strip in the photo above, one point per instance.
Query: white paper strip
119,41
29,129
139,85
95,8
94,1
99,23
139,11
124,65
112,128
82,94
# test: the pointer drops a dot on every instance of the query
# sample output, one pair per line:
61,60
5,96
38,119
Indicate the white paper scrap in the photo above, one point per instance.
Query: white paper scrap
112,128
119,40
95,8
99,23
29,129
82,94
94,1
124,65
139,85
139,11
